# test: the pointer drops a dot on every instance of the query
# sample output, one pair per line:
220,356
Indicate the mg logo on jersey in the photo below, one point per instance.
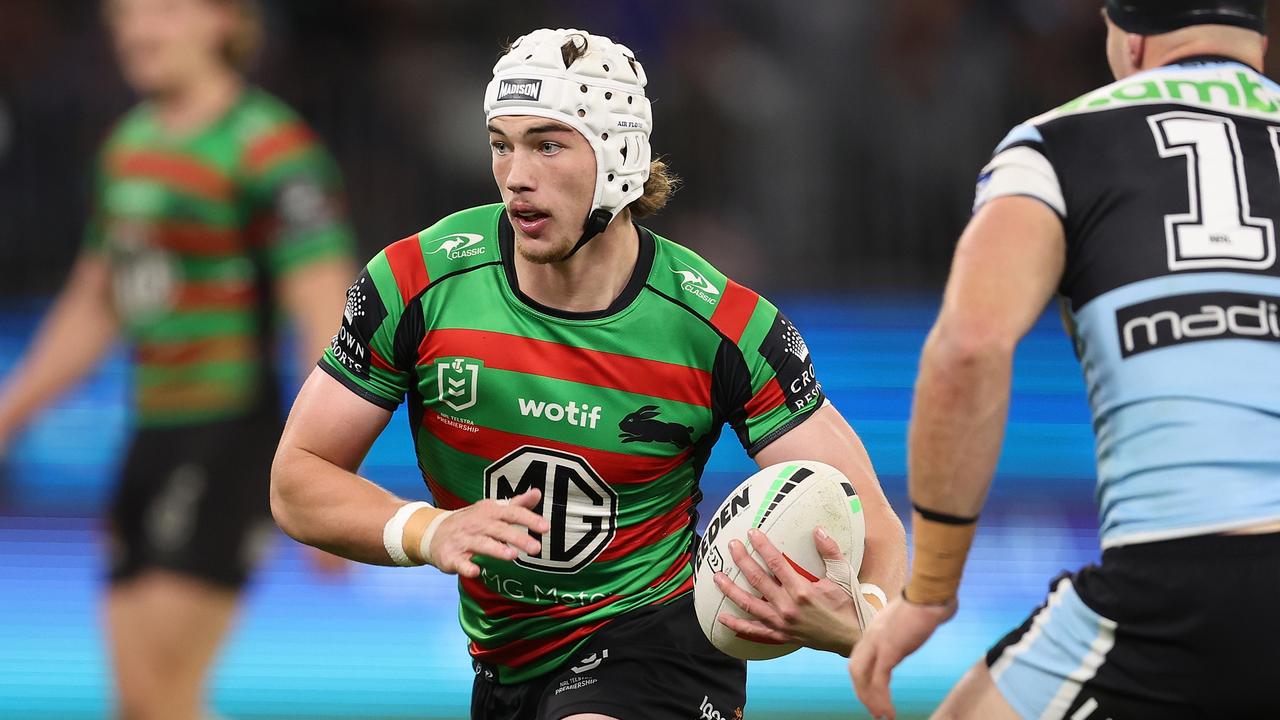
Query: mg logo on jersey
457,379
695,283
459,245
581,508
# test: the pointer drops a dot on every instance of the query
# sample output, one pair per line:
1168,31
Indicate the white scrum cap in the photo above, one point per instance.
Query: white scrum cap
600,94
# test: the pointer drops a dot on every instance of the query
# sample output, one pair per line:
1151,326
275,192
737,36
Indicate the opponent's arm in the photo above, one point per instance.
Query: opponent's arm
73,338
318,499
821,614
1007,265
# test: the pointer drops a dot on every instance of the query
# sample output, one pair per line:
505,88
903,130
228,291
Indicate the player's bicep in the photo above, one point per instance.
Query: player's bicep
826,437
331,422
1008,264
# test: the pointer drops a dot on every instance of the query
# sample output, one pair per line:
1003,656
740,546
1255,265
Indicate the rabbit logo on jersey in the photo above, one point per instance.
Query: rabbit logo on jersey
459,245
695,283
709,711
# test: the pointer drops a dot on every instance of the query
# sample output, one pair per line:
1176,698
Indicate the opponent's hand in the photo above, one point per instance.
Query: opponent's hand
493,528
794,609
898,630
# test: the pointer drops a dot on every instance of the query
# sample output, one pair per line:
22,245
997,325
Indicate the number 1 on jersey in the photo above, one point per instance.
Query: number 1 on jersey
1218,231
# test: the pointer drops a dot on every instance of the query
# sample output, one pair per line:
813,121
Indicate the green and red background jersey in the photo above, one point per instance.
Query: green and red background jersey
611,414
196,229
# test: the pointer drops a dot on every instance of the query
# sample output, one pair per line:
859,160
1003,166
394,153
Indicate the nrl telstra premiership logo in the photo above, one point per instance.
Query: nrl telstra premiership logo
456,379
694,282
459,245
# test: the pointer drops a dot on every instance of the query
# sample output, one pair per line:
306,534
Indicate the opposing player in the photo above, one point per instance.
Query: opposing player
567,374
1151,206
213,205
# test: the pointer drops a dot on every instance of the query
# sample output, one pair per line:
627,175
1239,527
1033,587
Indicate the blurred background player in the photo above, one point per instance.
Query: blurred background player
213,205
566,381
1151,206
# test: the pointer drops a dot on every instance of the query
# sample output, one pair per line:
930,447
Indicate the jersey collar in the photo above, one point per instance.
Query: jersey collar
639,275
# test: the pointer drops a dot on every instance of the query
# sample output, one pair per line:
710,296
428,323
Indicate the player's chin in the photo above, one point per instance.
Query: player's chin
544,250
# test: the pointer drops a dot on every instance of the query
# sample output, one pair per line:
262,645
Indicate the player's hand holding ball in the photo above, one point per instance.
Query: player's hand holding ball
493,528
796,585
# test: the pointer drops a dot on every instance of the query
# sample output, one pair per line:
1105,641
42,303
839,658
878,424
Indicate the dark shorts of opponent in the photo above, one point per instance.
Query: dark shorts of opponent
1183,628
195,500
649,664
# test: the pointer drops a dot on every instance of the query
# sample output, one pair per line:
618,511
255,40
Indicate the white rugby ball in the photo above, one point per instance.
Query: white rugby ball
785,502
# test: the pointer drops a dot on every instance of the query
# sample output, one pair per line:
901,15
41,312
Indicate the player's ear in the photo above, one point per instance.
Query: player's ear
1137,49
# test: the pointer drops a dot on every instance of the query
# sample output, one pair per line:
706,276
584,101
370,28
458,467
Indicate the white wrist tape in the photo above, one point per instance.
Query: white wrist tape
875,592
393,533
424,548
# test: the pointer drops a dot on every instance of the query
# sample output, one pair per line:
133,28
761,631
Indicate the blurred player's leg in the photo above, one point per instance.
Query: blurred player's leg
164,631
975,696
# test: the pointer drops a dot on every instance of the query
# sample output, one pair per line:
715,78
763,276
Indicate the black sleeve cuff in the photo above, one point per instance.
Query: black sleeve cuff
349,384
785,427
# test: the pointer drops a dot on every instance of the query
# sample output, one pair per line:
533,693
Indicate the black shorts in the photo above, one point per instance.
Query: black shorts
195,500
649,664
1185,628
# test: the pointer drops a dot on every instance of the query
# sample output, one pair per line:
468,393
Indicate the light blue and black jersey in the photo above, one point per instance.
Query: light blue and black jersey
1168,187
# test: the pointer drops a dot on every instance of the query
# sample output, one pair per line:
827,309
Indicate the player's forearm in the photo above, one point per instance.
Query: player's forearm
957,426
957,421
320,504
73,338
884,557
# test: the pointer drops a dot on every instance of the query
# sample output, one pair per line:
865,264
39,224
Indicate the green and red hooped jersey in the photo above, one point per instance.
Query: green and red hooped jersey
611,414
196,229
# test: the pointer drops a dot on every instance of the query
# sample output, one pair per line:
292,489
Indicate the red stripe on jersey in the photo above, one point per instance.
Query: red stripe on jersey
616,468
525,650
377,361
685,587
734,310
769,397
444,499
277,144
497,605
409,267
216,296
636,537
195,239
516,353
180,171
232,348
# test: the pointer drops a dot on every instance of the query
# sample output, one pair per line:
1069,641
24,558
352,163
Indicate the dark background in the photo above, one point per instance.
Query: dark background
825,144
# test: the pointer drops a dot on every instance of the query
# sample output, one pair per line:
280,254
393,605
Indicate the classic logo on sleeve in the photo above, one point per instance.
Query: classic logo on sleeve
786,352
361,318
459,245
695,283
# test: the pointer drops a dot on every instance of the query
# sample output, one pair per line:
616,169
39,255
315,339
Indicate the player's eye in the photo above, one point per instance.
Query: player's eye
549,148
498,147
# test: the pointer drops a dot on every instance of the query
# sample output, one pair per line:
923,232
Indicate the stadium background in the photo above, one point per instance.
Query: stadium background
829,149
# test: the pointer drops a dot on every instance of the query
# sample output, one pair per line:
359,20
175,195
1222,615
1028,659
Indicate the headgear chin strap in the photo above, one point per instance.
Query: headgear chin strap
600,94
1156,17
